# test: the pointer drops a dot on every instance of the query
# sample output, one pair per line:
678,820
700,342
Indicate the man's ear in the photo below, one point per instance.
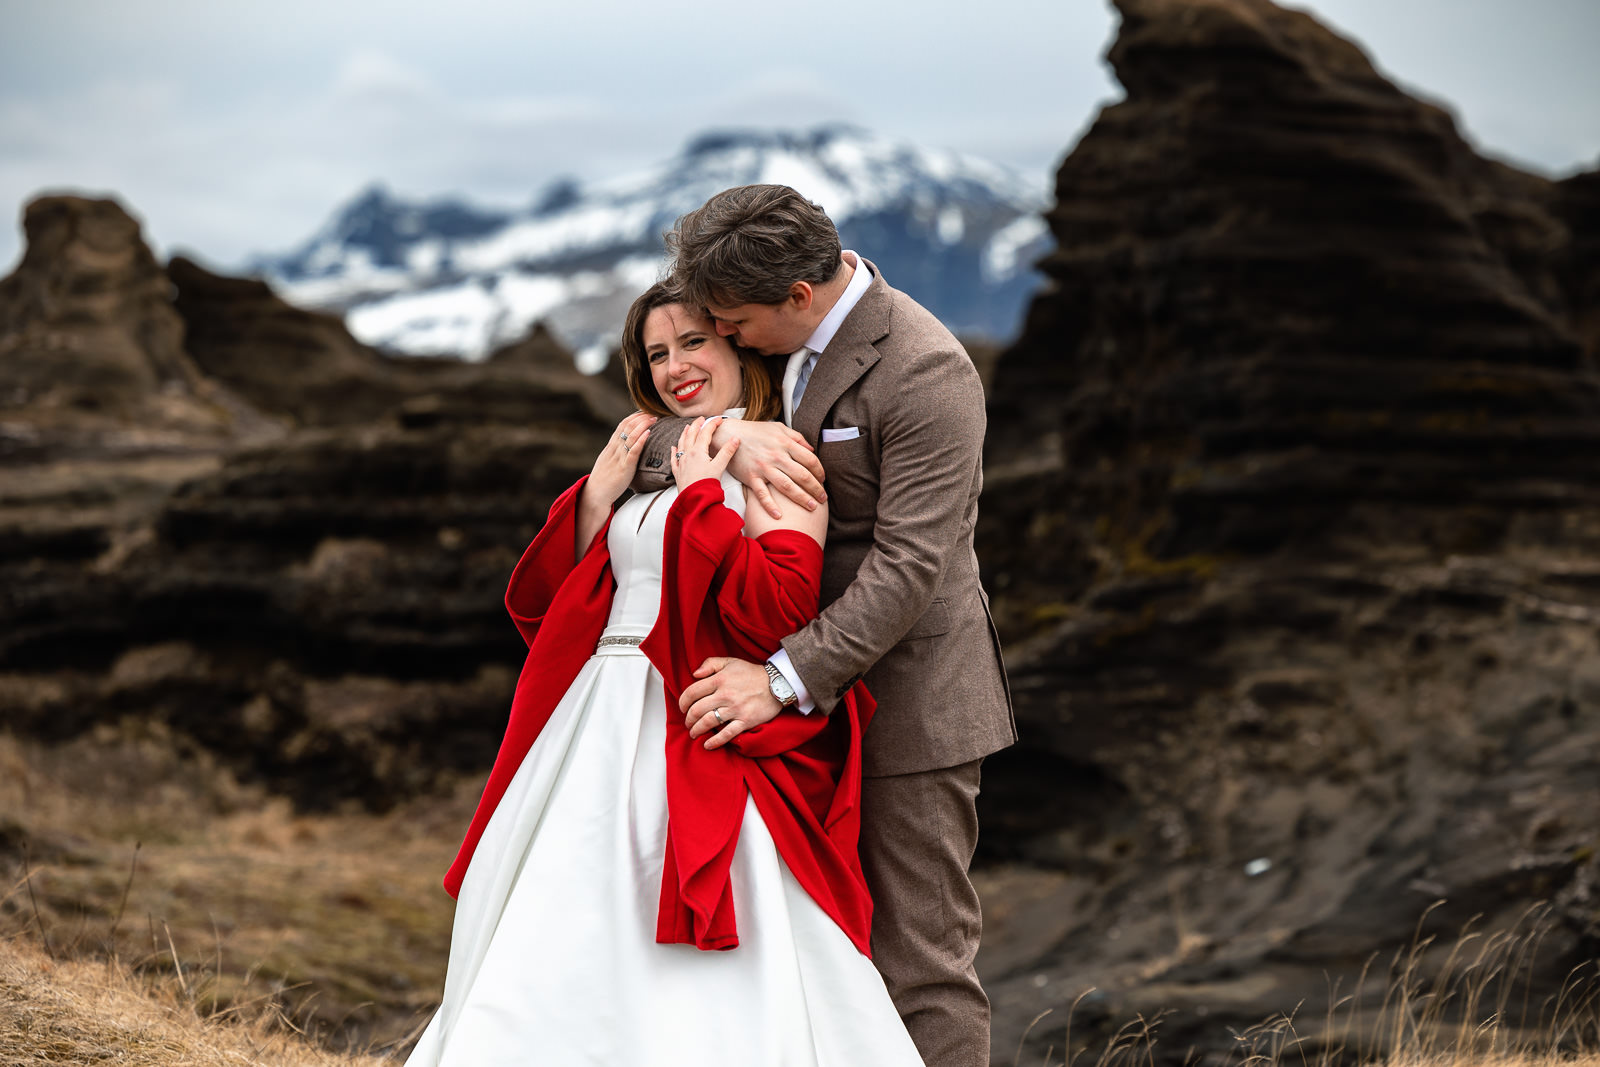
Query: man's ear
801,295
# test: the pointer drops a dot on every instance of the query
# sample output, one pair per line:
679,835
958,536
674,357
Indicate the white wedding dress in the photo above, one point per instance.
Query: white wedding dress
553,958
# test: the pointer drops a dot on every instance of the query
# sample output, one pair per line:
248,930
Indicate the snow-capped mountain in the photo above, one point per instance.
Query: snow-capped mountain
958,234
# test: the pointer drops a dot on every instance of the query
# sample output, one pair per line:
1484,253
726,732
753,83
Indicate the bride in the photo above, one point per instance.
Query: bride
626,894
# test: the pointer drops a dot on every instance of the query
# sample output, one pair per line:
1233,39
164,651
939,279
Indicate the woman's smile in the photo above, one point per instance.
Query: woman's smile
687,390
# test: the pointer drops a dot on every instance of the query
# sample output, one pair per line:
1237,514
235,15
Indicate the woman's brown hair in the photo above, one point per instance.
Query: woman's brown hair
760,398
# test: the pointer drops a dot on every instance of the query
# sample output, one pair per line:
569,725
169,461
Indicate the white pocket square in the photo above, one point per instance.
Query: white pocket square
841,433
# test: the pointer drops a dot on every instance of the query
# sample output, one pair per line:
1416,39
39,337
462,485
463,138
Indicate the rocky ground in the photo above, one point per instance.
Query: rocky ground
1292,526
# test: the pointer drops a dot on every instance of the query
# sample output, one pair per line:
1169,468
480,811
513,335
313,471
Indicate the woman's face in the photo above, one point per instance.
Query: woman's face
695,371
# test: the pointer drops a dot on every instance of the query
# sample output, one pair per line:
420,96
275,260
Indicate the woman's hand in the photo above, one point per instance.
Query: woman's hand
614,466
691,460
613,470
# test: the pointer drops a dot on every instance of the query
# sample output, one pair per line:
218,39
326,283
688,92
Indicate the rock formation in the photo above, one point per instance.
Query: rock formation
305,365
287,361
289,548
1291,523
90,345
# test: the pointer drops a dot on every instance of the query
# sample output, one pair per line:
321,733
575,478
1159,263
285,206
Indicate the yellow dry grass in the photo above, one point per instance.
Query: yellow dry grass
93,1011
123,846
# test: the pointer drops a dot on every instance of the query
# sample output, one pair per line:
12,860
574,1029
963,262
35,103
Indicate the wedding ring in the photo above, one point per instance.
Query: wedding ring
680,453
718,713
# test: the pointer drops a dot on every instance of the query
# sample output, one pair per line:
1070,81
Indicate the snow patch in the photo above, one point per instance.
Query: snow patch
445,321
951,225
1001,255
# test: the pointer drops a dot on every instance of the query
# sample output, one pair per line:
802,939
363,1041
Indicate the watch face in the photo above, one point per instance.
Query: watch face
780,686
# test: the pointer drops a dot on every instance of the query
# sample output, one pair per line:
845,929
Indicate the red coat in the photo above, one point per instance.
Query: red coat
723,594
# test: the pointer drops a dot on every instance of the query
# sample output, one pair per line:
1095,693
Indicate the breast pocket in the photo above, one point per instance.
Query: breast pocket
852,483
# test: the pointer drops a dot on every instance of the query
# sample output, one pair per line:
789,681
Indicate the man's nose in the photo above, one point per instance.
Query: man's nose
726,329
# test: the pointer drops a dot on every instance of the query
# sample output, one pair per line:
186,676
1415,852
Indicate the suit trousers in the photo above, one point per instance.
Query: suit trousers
918,833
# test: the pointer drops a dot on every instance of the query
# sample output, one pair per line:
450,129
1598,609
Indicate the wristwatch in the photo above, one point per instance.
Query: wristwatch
781,689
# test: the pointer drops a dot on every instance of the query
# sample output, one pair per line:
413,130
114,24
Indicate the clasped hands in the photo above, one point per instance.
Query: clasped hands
736,689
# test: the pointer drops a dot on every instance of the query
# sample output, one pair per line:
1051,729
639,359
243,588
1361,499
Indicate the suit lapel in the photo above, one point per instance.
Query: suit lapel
848,356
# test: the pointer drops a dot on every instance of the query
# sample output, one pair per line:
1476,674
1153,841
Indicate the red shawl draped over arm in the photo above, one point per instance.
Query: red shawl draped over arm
724,594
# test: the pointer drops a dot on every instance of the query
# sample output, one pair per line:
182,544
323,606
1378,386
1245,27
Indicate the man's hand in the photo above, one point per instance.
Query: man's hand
774,457
733,688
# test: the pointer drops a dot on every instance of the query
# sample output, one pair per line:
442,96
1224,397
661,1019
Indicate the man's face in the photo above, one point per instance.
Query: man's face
771,329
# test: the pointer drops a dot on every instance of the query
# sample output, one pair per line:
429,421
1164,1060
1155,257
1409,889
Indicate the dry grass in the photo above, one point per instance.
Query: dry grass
122,847
90,1011
1469,1003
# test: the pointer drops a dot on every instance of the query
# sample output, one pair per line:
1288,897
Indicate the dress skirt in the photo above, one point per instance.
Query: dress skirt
553,958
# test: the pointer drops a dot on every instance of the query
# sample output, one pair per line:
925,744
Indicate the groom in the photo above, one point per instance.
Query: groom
893,408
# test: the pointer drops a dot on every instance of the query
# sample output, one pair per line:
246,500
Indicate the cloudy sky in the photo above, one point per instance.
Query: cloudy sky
237,126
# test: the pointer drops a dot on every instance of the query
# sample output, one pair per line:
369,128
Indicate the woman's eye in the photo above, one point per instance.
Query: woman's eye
694,342
656,357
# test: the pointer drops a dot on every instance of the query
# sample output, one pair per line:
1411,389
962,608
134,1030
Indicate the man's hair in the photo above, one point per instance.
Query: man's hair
760,400
750,244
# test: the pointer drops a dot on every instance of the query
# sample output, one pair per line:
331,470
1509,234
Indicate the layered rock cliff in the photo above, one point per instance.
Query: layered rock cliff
222,513
1292,521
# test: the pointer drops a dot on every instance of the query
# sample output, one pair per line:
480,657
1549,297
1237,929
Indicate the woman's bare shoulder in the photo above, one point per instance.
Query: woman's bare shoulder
813,524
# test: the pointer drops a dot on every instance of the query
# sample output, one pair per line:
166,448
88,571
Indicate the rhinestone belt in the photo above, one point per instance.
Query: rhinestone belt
634,642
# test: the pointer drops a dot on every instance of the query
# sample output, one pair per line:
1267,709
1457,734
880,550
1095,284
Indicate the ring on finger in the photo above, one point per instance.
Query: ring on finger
718,713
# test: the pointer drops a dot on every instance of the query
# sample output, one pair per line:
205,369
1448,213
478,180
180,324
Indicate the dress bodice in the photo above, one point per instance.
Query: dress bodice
635,542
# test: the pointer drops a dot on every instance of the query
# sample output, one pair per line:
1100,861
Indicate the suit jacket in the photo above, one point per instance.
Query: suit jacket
902,605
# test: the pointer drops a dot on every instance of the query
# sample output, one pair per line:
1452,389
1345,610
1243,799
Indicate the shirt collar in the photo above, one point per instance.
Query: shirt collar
859,283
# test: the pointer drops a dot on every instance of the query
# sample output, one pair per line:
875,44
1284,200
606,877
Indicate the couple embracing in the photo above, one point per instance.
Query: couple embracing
731,819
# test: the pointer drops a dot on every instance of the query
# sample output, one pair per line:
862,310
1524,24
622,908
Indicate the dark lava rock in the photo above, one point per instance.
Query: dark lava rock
286,360
306,366
101,410
286,547
91,350
1291,513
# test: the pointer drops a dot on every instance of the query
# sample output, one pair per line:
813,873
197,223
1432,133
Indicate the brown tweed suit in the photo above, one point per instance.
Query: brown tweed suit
903,608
